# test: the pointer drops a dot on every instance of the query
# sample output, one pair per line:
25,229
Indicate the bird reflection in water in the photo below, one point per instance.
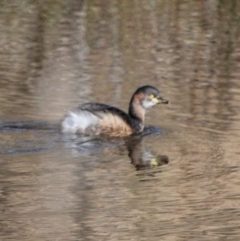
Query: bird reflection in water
141,157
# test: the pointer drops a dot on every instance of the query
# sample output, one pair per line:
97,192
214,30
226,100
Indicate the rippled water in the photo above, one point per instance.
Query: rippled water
179,183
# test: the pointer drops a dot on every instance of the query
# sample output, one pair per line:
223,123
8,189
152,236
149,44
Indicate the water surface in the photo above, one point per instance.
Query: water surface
179,183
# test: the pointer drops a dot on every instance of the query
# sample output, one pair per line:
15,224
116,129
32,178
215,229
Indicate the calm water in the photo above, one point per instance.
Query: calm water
180,183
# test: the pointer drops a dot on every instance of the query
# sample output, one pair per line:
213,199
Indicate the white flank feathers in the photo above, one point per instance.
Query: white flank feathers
78,121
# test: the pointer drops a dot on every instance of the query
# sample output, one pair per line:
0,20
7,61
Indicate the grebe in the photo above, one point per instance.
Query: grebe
101,119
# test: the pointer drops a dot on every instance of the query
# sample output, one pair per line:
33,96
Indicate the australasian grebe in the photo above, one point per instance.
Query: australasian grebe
101,119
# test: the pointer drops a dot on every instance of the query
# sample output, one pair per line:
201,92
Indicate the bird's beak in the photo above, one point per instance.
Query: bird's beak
160,100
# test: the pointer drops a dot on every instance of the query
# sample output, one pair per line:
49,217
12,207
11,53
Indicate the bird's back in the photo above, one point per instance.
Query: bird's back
96,119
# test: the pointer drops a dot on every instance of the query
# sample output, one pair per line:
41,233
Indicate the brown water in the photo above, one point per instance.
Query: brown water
181,183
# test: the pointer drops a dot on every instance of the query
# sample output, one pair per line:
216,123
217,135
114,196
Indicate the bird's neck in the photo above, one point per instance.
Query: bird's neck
136,111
